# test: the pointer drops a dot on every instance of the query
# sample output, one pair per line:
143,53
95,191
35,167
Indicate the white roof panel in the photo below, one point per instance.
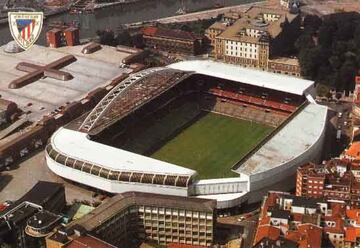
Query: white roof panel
77,145
291,141
254,77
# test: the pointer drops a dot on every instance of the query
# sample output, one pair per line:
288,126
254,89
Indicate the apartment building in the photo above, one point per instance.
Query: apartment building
292,221
259,38
336,179
128,219
172,40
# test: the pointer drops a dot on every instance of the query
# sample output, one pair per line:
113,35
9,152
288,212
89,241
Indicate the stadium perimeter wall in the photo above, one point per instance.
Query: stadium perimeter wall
218,186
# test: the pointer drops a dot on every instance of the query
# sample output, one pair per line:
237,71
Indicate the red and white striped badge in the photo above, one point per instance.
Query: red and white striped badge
25,27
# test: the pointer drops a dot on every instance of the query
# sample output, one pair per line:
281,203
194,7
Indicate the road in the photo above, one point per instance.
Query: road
207,14
325,7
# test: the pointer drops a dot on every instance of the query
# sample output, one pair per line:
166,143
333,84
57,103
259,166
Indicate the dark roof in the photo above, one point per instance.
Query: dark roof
170,34
279,213
301,201
41,193
43,219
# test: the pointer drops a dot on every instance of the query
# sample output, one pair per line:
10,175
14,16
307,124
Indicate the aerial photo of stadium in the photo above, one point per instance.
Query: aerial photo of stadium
196,128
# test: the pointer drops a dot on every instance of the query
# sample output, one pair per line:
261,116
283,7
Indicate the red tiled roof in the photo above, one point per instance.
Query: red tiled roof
293,236
264,220
297,217
313,236
338,209
354,150
351,234
353,214
268,232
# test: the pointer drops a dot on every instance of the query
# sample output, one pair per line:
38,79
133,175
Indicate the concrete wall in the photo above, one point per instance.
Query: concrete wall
219,186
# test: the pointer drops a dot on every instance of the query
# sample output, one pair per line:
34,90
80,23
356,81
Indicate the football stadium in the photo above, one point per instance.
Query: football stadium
195,128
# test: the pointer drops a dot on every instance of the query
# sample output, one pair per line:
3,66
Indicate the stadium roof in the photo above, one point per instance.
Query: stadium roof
129,95
302,132
78,146
254,77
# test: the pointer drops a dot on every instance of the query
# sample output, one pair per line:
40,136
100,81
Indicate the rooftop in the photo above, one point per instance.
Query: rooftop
286,60
302,132
88,241
121,201
77,145
253,77
41,192
218,26
254,19
170,34
354,151
47,94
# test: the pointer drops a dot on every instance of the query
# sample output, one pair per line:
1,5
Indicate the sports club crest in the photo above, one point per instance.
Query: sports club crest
25,27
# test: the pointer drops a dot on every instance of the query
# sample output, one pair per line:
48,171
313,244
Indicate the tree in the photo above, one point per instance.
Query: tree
335,59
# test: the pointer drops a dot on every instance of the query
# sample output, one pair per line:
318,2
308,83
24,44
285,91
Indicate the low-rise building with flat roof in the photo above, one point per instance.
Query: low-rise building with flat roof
127,219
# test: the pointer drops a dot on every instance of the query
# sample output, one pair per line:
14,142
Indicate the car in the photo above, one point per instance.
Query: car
242,218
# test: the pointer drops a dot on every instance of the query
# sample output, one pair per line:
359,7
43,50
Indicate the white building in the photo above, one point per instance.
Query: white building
72,155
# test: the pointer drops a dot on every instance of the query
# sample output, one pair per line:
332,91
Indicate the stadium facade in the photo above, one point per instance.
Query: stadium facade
77,151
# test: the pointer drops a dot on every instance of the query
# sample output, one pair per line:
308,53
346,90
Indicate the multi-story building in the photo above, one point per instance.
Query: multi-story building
172,40
14,220
214,30
310,181
258,38
130,218
337,179
294,221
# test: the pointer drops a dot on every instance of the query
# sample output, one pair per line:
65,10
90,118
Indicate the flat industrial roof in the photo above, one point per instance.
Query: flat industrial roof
244,75
77,145
46,94
291,141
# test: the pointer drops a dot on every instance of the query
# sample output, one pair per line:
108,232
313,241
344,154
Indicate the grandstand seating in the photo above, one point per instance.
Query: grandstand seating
269,101
142,129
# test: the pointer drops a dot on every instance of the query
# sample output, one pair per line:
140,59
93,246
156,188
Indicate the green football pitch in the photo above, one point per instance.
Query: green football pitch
212,145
